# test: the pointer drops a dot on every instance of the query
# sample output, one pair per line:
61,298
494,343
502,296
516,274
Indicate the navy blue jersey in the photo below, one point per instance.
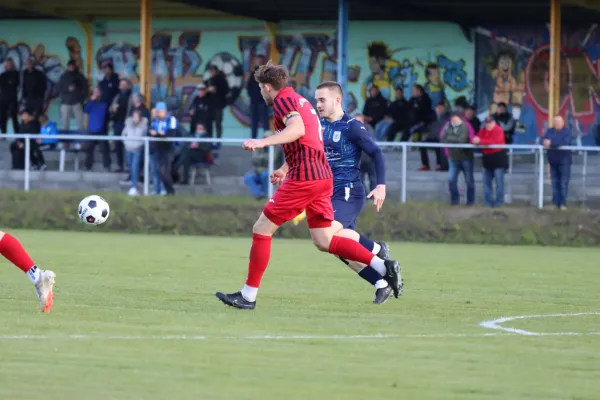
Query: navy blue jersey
345,140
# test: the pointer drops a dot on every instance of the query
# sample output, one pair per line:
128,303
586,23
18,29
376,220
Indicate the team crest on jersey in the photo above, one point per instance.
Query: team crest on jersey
302,101
337,135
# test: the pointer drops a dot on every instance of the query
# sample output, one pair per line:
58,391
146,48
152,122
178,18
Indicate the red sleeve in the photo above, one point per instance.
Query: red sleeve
285,108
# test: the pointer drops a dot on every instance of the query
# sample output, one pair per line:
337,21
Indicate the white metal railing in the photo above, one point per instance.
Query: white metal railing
538,150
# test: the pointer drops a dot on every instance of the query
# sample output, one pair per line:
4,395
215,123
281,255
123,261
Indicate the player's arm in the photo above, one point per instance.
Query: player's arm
285,168
294,130
357,133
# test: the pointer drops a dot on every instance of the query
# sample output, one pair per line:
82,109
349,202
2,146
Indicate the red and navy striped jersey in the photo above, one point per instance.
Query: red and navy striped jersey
306,156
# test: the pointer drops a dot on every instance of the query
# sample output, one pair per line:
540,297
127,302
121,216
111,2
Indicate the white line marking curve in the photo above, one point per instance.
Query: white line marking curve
495,324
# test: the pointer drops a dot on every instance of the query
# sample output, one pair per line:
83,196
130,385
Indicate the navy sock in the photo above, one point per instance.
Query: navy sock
366,243
370,275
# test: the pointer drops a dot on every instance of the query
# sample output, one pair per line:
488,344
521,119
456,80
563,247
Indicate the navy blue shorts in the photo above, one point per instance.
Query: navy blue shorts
347,204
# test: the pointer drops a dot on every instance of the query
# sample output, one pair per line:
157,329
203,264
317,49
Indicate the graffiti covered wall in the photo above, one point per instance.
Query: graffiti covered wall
390,55
513,66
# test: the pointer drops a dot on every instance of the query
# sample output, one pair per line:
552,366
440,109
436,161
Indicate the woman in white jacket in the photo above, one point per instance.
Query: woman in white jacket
136,127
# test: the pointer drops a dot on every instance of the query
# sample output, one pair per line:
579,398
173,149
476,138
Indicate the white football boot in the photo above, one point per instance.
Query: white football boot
43,288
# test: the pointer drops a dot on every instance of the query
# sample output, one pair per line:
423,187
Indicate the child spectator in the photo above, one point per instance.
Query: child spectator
136,127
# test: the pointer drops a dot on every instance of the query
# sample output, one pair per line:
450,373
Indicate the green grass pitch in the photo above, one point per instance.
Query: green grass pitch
135,317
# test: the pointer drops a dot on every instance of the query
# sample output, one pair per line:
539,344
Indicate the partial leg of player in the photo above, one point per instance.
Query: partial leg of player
43,280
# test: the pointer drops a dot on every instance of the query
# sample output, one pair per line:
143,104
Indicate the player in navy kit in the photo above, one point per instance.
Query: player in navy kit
345,139
305,184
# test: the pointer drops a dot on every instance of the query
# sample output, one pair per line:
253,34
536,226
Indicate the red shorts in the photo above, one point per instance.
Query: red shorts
293,197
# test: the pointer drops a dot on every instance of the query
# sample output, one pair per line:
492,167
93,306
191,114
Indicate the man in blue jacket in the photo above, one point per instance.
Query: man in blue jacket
96,110
164,126
559,160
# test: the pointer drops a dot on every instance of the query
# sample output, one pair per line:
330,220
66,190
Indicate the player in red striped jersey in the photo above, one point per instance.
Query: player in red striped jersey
306,184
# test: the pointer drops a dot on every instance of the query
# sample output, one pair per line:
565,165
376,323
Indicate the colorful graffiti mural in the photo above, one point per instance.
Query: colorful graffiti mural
513,66
180,60
175,69
386,54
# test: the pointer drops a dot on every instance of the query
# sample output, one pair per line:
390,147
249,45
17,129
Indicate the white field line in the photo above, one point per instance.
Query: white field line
492,324
495,324
251,337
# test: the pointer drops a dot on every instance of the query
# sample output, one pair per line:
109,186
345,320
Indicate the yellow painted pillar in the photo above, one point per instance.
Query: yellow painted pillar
554,73
146,50
273,30
89,46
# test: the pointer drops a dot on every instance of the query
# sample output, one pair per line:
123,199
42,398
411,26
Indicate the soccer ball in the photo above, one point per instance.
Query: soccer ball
93,210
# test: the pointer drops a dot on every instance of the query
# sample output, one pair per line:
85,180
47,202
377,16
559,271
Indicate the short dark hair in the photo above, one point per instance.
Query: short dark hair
331,85
272,74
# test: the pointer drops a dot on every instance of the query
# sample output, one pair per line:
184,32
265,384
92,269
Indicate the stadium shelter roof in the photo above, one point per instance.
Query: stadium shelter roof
464,12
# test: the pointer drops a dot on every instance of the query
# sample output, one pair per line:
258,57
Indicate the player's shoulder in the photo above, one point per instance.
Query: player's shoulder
356,126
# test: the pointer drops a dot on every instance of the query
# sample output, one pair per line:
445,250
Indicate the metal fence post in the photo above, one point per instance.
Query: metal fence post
540,168
27,163
510,181
584,176
146,165
404,168
271,168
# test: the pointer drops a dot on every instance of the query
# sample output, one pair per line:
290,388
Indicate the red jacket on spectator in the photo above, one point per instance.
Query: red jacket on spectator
489,137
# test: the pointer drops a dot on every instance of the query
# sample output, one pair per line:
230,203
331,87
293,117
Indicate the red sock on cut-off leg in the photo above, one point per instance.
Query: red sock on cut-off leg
14,252
350,250
260,254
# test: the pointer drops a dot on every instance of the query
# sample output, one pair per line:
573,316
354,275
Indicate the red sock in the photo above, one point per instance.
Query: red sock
260,254
14,252
350,250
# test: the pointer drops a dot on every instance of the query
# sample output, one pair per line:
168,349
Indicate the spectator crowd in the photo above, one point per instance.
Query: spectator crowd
422,120
112,107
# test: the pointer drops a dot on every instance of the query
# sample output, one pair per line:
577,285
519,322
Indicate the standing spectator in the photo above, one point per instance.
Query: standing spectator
137,100
420,114
218,87
159,186
367,165
96,110
202,109
109,86
506,121
374,110
259,111
73,90
137,105
164,126
471,116
120,109
9,104
135,127
435,130
195,152
559,160
495,161
399,111
34,88
459,160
